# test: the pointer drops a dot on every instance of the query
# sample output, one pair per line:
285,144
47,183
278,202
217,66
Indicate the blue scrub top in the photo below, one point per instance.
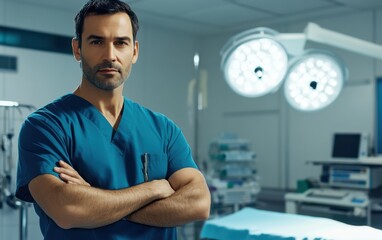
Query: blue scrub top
73,130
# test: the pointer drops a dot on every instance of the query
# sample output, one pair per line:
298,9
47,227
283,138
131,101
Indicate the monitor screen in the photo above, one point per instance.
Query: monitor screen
378,115
346,145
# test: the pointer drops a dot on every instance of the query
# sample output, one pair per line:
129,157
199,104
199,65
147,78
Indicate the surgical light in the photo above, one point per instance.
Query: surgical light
314,80
254,63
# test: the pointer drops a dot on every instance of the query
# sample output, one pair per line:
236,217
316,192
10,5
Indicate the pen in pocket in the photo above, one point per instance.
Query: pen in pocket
145,167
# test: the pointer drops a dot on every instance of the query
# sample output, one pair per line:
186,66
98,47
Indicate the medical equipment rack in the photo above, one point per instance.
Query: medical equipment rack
346,187
233,180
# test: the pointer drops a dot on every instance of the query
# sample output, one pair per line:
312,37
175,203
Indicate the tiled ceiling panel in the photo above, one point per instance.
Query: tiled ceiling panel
66,4
362,4
193,26
286,6
226,15
174,7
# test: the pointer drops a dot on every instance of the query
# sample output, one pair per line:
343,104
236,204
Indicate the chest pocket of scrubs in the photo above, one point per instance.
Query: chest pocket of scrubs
157,166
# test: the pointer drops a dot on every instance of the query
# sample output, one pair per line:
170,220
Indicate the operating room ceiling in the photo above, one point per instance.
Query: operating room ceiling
207,17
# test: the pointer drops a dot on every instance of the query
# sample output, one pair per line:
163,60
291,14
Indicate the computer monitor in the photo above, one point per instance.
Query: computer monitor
349,145
378,117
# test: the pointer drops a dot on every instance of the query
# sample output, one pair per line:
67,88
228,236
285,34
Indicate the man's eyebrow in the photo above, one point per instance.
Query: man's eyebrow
92,37
123,39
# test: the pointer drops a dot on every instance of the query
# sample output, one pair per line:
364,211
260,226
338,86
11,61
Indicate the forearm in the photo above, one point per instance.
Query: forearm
88,207
78,206
189,203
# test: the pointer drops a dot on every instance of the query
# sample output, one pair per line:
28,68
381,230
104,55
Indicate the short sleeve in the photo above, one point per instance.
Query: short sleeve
178,150
41,146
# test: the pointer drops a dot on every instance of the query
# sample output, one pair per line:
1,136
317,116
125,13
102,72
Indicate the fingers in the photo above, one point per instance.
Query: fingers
69,174
68,178
73,180
65,165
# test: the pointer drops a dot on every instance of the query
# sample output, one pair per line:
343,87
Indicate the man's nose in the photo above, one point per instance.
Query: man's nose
109,53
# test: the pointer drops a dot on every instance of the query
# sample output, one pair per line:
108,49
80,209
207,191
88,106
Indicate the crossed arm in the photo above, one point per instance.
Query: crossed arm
73,203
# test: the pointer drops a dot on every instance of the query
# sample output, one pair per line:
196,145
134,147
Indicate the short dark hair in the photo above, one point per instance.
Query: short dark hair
100,7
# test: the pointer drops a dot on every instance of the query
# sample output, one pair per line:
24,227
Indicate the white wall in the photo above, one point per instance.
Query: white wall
160,78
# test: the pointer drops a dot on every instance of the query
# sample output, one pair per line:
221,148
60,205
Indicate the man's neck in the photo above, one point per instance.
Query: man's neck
109,103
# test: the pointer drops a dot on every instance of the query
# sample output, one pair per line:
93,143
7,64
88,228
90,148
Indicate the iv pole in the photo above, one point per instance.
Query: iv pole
197,90
196,108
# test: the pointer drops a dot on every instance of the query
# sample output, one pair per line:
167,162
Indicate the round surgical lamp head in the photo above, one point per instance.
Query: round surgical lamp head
314,80
254,63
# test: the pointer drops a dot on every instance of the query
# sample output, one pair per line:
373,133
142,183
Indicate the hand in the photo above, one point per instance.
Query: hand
69,174
164,188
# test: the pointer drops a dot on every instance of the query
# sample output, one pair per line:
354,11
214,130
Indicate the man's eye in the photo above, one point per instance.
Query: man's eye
121,43
96,42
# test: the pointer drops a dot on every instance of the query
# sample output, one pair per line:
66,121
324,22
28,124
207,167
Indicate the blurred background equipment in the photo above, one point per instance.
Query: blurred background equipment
232,176
8,110
349,184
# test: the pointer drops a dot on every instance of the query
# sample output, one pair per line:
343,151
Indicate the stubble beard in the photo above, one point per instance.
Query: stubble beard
103,82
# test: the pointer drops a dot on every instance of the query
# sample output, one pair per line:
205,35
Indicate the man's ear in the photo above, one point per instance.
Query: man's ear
76,49
136,52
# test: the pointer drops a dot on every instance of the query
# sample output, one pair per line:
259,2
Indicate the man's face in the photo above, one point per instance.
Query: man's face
107,50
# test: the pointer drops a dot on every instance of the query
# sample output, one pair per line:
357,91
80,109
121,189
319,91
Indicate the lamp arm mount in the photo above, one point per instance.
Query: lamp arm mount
318,34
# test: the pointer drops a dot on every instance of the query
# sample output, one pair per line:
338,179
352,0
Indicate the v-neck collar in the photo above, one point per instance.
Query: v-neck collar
97,118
